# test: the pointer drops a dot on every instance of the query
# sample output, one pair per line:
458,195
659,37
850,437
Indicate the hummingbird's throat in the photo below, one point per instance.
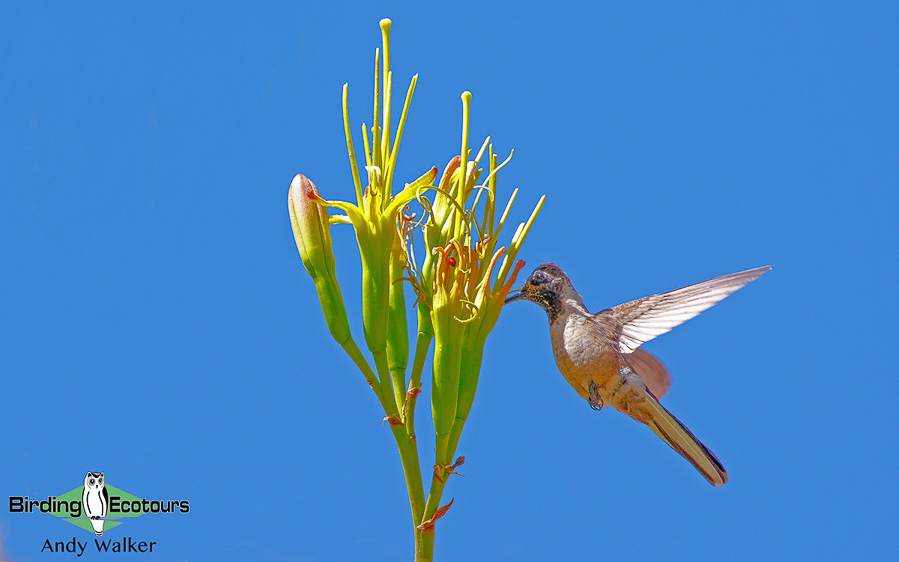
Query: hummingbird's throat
550,302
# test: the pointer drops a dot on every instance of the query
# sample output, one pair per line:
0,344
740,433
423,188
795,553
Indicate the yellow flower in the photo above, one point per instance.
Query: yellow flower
466,299
461,285
376,232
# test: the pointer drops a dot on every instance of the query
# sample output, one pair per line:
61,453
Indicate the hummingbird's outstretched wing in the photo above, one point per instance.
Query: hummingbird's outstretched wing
643,319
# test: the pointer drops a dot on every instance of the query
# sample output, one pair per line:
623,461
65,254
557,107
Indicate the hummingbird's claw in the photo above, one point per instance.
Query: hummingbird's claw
595,400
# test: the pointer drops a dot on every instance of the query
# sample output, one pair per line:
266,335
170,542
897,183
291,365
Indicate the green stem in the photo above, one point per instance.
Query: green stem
434,495
389,401
447,443
454,436
411,470
424,545
398,383
407,447
356,355
418,364
397,331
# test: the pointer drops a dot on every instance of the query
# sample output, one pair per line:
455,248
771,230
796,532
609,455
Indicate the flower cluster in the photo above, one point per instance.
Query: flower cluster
460,286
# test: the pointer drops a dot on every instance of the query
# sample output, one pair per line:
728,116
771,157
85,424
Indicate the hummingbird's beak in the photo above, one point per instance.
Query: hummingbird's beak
513,296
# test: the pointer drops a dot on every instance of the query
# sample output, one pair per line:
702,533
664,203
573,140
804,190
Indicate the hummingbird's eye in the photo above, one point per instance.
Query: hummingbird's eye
539,278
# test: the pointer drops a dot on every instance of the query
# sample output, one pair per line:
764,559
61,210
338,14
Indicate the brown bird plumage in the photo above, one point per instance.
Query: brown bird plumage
599,357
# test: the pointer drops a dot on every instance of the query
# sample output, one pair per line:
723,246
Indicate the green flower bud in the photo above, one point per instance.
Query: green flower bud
312,232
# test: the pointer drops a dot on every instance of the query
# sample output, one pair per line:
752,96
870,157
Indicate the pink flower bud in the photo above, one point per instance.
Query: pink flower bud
312,232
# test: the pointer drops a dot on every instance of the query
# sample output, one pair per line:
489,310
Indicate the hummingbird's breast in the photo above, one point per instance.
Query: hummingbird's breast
584,352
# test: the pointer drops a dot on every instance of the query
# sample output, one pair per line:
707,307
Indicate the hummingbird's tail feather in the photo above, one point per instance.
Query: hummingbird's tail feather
682,440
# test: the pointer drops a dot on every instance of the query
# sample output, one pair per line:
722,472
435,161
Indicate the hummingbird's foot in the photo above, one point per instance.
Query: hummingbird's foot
594,399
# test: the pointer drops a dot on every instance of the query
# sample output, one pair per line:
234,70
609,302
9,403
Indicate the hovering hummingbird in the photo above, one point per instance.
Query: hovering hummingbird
599,357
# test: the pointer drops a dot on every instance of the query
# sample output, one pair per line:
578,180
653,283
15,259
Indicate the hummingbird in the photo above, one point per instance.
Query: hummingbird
599,355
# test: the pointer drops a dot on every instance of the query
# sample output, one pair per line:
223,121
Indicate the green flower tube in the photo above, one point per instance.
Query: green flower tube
375,290
448,331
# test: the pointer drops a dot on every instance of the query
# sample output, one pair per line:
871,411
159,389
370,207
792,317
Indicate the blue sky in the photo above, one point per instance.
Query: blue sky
159,326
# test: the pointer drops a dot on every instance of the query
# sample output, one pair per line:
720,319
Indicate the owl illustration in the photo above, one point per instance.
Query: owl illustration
95,500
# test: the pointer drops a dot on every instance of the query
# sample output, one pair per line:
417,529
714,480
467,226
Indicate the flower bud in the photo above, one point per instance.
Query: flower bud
310,227
312,232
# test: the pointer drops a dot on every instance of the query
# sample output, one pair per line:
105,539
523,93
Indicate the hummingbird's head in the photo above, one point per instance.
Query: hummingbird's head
545,287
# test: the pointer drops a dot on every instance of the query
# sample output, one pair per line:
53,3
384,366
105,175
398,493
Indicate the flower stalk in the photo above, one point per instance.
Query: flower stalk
460,286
